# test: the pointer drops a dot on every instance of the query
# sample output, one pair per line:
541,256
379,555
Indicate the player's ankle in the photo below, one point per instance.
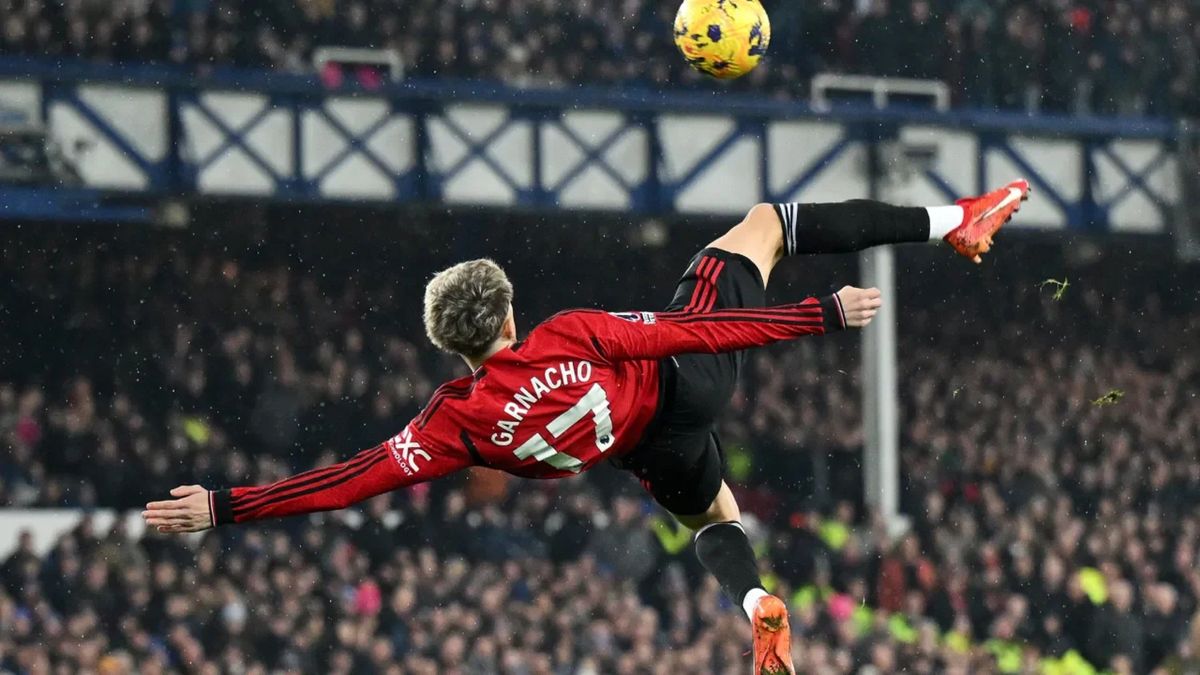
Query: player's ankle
750,601
943,220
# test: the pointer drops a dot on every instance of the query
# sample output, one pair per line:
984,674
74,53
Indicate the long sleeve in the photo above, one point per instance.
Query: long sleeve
398,462
650,335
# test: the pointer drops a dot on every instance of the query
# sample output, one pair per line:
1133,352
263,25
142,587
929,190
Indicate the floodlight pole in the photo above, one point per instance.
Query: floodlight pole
881,418
1184,226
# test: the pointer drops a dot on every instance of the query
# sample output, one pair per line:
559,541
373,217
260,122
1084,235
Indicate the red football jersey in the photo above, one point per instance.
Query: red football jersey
581,388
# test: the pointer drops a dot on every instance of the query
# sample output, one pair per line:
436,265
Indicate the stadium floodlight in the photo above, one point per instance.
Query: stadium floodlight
883,91
370,67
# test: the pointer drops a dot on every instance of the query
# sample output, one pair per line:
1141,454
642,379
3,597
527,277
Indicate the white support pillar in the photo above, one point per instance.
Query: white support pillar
881,414
1185,225
881,418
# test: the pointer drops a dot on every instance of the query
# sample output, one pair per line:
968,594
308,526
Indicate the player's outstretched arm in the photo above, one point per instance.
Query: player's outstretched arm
396,463
651,335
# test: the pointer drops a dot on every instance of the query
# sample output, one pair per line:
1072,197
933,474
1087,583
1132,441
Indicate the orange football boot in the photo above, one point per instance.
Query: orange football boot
983,216
772,638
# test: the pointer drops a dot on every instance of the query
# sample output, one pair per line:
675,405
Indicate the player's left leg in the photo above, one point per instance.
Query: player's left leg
681,467
724,550
771,231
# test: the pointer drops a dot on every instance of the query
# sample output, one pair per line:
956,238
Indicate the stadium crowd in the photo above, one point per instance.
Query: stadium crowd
1048,468
1074,56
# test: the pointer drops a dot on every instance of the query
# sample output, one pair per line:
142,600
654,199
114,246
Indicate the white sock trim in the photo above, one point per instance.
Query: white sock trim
734,523
788,214
750,602
943,219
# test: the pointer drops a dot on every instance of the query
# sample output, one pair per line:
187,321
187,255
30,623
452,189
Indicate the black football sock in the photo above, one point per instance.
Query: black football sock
725,552
849,226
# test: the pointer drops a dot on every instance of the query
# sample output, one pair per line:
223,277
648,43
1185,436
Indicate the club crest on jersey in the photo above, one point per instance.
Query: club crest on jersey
406,451
647,318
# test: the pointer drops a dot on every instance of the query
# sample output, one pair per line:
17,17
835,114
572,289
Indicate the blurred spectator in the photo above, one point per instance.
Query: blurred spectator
1045,522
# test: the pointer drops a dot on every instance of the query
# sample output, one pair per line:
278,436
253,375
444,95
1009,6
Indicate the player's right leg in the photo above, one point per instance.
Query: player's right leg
771,231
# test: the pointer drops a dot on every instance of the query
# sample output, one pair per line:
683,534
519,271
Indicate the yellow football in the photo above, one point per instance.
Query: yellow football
722,38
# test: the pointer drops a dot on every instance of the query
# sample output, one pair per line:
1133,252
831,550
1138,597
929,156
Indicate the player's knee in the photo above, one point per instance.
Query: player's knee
722,509
762,211
757,234
761,219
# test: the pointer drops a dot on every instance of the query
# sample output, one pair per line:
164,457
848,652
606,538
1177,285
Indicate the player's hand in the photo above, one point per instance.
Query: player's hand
859,305
190,511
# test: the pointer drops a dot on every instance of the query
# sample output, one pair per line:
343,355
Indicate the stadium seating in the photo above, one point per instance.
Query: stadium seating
1050,473
1048,468
1078,56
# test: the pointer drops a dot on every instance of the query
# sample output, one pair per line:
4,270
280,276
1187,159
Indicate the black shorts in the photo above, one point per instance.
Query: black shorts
680,461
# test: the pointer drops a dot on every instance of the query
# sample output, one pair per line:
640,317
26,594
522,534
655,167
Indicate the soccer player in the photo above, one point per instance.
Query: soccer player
642,389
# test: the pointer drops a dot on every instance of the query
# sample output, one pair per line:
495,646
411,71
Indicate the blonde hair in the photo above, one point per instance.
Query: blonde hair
466,305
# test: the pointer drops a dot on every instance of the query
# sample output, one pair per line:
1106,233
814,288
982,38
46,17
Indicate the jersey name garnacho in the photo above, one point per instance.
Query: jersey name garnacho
554,377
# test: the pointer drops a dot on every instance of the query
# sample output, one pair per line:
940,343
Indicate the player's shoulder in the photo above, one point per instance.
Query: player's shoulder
567,321
458,389
572,314
455,385
585,324
569,330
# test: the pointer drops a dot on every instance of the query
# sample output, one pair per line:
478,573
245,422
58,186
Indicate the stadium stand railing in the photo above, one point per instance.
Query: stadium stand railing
148,132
